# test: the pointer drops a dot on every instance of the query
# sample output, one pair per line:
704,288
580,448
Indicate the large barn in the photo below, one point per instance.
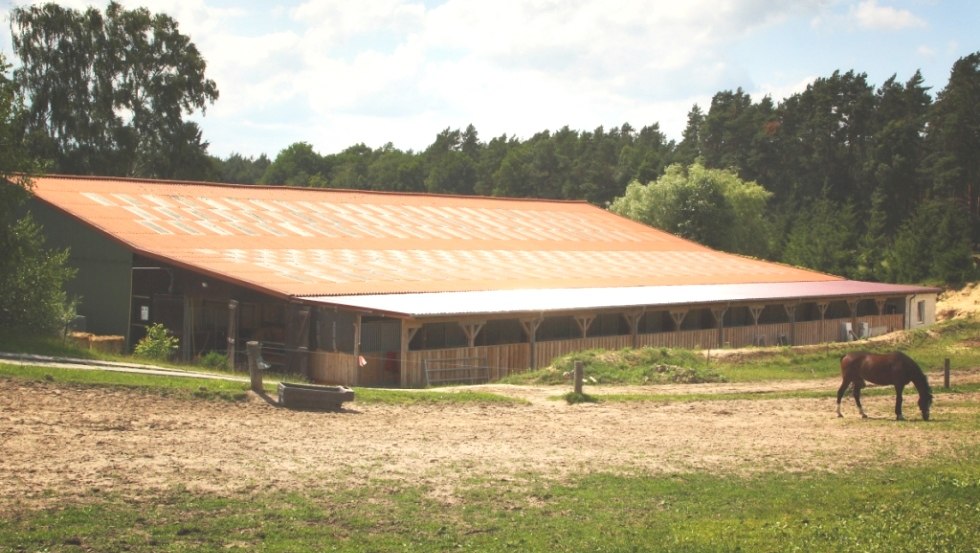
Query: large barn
387,289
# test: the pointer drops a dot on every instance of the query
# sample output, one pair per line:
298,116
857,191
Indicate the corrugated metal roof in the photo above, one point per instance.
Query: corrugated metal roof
313,242
550,300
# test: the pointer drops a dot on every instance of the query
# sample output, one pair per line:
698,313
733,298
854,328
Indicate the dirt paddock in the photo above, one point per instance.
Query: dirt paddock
70,443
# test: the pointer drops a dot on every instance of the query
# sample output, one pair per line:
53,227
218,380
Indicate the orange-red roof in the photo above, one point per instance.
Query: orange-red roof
315,242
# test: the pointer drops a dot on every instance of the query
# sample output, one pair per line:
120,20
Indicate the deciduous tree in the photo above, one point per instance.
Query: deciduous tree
108,92
32,277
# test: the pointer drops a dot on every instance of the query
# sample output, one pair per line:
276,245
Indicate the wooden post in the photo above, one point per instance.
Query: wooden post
946,374
232,332
579,373
254,350
530,327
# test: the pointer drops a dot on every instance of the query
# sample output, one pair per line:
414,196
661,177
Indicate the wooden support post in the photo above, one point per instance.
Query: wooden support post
471,330
357,348
232,333
579,374
633,320
719,315
530,327
187,332
822,307
946,374
254,351
791,314
409,328
678,317
584,322
852,306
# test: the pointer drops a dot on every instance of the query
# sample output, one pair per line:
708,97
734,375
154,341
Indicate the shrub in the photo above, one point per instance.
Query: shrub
158,344
214,360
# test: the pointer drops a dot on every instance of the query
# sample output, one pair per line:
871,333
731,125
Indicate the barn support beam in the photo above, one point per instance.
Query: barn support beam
530,327
678,316
232,333
298,339
852,306
633,320
791,314
584,322
357,348
756,311
187,332
719,314
471,329
409,328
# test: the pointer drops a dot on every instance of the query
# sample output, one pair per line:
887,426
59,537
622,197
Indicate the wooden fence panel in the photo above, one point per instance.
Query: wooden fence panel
332,368
502,360
548,351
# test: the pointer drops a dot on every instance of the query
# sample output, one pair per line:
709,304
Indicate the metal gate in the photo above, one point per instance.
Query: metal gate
467,370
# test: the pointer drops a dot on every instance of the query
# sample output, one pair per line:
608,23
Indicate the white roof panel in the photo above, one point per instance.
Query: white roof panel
437,304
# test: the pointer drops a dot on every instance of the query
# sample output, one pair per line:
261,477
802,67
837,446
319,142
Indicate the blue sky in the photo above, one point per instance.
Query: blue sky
335,73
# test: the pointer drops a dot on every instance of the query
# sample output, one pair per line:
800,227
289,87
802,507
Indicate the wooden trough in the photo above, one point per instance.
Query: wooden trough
312,396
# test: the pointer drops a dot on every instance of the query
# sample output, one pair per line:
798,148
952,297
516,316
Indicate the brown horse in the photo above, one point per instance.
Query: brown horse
895,368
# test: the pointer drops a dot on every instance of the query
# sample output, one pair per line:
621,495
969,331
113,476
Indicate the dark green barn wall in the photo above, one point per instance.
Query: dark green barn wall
104,278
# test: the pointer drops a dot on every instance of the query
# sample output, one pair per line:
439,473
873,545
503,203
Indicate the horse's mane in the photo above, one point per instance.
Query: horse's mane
919,378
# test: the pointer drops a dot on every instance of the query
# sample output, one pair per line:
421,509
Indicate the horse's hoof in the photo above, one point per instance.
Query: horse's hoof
839,416
863,416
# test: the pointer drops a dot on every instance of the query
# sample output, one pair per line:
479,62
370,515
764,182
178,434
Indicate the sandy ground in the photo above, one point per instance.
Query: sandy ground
66,443
63,443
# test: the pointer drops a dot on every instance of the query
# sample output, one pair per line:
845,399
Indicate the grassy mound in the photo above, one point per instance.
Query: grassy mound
626,366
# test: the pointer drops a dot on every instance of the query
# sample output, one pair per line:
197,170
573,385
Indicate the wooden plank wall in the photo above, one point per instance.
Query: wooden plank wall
551,349
766,335
689,339
503,359
332,368
342,368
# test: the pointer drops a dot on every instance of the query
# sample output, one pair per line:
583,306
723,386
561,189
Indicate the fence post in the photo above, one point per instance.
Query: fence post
579,371
946,374
254,351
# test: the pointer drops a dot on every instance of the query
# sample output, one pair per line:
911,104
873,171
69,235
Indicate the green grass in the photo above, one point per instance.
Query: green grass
694,396
171,386
926,508
43,345
200,388
931,506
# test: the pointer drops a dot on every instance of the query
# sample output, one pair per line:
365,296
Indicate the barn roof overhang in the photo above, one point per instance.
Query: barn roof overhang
563,300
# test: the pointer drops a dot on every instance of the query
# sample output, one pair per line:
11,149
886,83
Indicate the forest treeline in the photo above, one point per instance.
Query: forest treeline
878,182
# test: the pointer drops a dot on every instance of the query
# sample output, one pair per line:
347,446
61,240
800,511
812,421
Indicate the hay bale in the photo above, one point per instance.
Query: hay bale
107,344
80,339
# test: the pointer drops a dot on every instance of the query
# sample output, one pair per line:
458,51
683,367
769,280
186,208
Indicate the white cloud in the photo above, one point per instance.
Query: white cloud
781,91
870,15
337,72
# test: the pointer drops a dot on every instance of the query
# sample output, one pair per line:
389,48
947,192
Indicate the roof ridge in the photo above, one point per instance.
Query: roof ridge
395,193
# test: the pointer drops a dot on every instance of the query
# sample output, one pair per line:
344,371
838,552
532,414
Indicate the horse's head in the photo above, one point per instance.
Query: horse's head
925,402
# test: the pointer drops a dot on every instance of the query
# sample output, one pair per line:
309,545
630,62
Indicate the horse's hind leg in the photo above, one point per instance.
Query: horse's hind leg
857,398
840,395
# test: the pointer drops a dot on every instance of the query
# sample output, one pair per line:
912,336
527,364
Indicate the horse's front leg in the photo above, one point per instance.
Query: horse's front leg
898,402
857,398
